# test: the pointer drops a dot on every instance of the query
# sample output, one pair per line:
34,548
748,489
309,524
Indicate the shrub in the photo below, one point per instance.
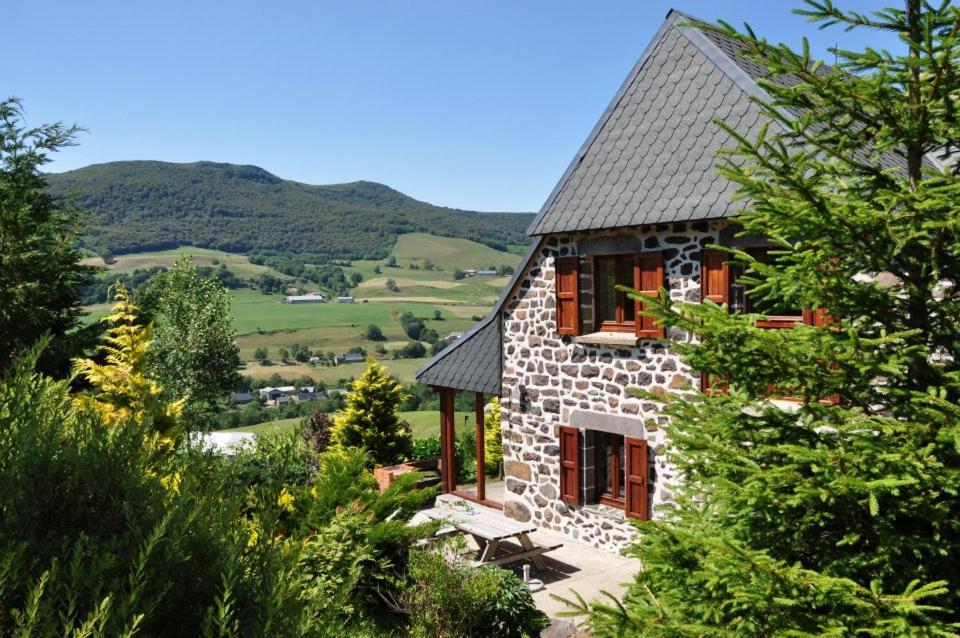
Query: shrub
317,429
426,448
96,529
451,601
492,439
373,333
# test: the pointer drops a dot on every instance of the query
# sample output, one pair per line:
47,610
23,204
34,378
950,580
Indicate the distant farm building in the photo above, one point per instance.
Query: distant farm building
345,300
351,357
486,273
313,360
287,393
240,397
313,297
453,336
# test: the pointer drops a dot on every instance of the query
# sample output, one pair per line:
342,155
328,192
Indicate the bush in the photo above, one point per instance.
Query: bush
426,448
413,350
96,527
316,430
450,601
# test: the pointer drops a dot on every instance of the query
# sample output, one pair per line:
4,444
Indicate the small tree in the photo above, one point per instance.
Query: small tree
369,419
458,274
373,333
391,262
284,354
261,354
194,354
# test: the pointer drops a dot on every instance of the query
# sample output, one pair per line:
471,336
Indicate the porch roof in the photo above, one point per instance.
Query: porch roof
472,363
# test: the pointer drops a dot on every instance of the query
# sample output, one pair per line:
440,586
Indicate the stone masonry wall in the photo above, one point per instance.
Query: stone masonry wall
546,377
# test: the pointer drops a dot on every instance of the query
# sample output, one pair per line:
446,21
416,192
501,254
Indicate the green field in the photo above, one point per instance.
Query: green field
263,321
402,369
238,264
423,424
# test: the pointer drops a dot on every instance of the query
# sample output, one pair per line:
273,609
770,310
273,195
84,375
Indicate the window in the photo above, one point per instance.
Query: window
615,311
610,468
618,475
720,283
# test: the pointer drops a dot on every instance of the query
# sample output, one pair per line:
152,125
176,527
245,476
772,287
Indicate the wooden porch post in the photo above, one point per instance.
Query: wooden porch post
447,437
481,474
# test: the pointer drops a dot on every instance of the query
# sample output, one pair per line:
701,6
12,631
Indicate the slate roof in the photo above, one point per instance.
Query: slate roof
651,157
472,363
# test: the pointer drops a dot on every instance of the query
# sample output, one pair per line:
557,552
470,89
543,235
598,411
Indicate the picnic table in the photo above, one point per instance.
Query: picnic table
490,529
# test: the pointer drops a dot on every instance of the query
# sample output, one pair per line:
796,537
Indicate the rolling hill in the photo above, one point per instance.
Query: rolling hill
147,205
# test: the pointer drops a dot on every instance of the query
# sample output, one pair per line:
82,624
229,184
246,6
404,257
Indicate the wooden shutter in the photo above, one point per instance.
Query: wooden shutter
568,295
715,277
647,279
570,465
636,489
712,384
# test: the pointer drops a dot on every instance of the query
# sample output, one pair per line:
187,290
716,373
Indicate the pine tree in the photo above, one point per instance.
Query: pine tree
840,516
40,270
369,419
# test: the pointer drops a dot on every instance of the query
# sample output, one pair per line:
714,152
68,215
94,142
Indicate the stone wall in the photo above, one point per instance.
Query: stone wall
549,380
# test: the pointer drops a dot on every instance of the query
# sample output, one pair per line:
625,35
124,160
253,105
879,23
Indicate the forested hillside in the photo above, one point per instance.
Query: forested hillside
146,205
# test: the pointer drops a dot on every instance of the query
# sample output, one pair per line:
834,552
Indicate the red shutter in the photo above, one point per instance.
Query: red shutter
636,489
712,384
714,277
819,318
570,465
648,280
568,295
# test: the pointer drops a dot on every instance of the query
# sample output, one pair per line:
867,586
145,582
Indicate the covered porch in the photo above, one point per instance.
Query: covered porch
471,367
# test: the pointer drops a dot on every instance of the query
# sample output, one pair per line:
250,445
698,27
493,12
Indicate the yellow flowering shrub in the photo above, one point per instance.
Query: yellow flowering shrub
122,391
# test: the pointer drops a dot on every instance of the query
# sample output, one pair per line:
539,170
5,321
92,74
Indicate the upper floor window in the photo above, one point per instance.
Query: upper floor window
720,282
614,310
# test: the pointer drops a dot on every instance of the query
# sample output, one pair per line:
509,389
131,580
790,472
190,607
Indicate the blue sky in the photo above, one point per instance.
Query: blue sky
477,104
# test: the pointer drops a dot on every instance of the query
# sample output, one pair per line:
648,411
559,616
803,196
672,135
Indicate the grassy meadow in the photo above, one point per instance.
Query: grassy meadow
264,321
423,424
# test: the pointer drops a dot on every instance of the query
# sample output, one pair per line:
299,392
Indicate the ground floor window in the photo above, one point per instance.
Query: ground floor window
606,468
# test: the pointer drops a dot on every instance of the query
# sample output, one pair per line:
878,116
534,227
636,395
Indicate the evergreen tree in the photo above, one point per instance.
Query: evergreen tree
837,517
369,419
40,270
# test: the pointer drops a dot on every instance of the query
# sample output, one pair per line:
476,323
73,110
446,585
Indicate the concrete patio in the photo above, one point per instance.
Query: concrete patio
572,567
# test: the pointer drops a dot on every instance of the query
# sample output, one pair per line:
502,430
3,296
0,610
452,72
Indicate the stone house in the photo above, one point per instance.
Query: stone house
640,205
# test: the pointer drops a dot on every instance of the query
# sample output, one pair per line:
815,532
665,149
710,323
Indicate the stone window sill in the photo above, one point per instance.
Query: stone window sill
608,339
605,511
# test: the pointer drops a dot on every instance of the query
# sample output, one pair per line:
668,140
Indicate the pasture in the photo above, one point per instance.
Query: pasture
423,424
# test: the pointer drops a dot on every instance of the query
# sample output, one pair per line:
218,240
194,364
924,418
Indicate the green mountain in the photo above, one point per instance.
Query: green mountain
145,205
